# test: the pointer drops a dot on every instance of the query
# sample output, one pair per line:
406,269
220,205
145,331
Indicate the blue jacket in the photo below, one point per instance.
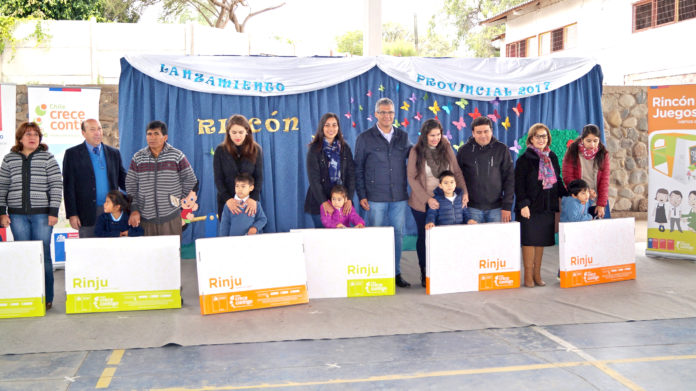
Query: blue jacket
449,213
239,224
79,183
573,211
106,227
380,167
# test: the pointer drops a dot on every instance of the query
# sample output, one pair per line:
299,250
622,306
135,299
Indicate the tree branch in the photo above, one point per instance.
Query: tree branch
259,12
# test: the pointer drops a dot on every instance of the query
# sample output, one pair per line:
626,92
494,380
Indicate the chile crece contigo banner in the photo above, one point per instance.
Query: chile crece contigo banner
672,171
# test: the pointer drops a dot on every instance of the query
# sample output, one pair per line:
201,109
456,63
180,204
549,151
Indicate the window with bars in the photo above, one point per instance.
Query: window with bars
516,49
559,39
653,13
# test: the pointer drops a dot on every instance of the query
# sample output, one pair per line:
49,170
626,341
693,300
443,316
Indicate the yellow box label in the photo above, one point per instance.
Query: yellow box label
22,307
122,301
371,287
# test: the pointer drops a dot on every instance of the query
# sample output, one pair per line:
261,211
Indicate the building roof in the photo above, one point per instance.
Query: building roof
504,14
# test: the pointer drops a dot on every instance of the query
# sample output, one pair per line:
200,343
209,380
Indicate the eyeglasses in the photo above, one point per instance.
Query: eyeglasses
385,113
541,136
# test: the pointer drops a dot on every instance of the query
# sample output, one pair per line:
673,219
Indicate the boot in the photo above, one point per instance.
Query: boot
423,278
537,273
528,272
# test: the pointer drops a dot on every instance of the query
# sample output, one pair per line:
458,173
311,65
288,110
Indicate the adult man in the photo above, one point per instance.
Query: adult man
488,172
380,172
156,173
90,171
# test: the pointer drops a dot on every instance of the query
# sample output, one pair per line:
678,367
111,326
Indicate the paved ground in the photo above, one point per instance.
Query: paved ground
650,355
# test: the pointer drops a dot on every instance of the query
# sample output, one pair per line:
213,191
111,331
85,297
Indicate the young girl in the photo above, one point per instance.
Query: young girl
339,195
114,221
660,213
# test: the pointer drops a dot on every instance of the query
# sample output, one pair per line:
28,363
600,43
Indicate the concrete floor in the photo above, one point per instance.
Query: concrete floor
649,355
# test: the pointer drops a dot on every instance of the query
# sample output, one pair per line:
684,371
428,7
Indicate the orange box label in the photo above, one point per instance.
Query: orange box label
249,300
503,280
598,275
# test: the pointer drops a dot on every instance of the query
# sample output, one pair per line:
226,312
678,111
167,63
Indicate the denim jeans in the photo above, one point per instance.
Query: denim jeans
316,220
384,214
419,217
485,216
35,227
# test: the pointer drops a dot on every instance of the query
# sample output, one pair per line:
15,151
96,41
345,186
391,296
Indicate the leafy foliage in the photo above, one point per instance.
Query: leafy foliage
53,9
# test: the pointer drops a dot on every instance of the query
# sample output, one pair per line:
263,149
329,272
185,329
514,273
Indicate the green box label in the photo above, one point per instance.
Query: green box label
22,307
122,301
371,287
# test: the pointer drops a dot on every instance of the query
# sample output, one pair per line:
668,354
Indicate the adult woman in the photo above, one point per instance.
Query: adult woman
237,154
588,159
538,187
431,156
329,163
31,188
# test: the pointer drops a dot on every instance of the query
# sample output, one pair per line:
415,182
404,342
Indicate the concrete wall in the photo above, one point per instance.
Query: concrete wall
625,124
604,31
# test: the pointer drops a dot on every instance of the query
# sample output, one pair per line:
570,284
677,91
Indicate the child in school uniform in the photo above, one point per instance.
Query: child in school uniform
242,221
114,221
576,207
337,218
451,210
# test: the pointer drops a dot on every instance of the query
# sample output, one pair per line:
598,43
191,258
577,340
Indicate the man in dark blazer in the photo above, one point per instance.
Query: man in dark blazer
90,171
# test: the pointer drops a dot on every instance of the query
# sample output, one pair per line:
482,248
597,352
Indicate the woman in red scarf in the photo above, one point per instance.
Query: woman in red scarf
588,159
538,187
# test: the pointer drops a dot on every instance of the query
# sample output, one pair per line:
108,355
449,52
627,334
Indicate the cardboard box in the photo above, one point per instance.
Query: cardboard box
22,285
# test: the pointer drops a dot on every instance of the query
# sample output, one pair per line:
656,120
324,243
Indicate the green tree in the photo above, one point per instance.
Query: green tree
466,15
216,13
351,42
435,44
123,11
52,9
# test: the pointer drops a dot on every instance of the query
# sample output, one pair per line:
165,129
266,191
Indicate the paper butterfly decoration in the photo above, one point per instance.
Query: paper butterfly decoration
405,106
397,87
495,102
446,108
425,97
459,124
381,88
351,99
448,135
405,122
475,113
456,147
360,107
212,152
369,93
353,123
518,110
434,108
495,116
418,116
347,115
396,123
462,103
369,118
506,123
516,148
413,98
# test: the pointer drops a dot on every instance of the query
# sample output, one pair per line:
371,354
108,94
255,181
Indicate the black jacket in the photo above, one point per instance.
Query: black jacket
489,174
380,167
226,168
318,176
528,188
80,185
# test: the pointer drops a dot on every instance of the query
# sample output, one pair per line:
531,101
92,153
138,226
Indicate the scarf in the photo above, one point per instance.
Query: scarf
333,156
547,175
436,167
588,154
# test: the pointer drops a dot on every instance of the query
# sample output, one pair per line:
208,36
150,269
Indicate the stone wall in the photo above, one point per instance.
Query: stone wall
625,124
626,133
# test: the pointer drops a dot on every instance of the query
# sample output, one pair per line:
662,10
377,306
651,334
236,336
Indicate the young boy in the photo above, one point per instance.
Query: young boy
450,199
576,207
241,224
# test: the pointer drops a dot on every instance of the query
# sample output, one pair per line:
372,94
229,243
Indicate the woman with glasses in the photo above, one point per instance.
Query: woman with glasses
239,153
538,187
31,188
329,163
588,159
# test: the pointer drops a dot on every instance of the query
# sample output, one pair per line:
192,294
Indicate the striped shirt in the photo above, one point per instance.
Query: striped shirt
153,181
30,184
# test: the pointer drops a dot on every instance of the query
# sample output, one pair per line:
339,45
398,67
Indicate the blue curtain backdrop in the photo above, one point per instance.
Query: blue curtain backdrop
287,123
